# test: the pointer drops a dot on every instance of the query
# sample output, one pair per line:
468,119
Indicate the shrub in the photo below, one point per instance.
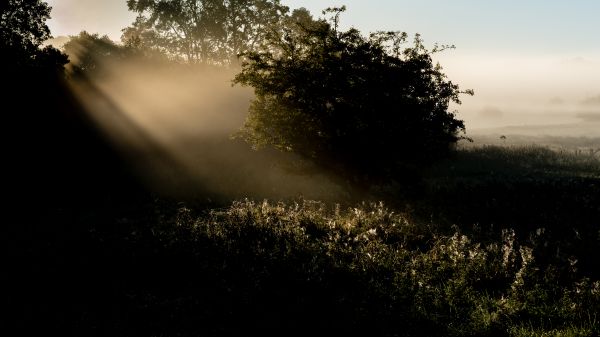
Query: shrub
360,107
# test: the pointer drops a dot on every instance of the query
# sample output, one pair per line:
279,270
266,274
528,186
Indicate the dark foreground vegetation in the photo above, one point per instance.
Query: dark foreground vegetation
506,247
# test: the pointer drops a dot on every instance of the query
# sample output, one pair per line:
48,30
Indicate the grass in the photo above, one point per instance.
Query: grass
495,242
304,269
521,161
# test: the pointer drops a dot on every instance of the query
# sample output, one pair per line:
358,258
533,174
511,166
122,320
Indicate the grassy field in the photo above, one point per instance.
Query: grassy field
496,241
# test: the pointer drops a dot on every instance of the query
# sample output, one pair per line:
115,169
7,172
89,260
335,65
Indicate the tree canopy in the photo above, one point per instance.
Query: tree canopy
358,106
23,29
203,31
87,51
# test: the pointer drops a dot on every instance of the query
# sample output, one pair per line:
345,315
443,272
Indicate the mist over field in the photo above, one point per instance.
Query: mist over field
529,95
519,72
528,90
176,125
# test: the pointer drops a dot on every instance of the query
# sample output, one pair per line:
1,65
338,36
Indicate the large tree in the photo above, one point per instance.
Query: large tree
23,29
365,107
208,31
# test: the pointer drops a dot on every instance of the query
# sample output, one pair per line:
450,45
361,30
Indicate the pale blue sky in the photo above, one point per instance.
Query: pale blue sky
518,56
527,25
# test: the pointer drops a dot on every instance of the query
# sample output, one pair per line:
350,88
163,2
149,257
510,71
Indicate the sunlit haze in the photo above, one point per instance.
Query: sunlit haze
176,123
529,63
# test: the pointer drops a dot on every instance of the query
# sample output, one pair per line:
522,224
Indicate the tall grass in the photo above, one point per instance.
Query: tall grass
495,242
368,270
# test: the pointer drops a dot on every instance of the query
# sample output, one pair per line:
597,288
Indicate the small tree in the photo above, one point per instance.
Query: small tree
364,107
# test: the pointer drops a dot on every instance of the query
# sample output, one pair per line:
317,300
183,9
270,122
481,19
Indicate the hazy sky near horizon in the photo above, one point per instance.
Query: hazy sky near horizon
534,61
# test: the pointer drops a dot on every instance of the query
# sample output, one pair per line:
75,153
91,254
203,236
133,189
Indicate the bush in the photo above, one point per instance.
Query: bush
360,107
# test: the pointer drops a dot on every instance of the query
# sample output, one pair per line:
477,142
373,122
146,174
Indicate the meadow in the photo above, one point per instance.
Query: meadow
496,241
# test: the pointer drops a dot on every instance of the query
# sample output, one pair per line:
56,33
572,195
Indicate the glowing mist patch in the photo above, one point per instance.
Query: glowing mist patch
174,124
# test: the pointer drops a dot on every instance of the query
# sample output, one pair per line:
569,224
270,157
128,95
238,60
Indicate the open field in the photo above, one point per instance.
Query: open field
494,242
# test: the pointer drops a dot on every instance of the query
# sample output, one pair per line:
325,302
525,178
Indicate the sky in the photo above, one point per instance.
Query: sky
529,62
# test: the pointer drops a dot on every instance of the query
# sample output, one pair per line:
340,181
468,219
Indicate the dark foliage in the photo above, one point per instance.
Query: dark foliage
52,148
22,31
53,158
159,269
357,106
89,52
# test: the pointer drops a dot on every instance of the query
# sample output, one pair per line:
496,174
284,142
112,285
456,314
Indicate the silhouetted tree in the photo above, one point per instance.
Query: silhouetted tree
360,106
87,51
209,31
48,138
92,54
22,31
